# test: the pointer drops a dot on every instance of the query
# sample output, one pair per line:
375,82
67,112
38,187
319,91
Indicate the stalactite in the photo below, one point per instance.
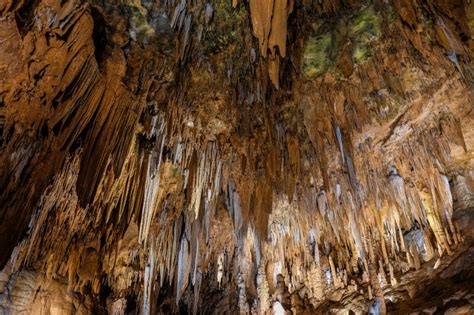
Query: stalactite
269,21
220,269
393,280
434,221
315,283
262,289
148,280
152,179
278,309
243,303
183,268
375,283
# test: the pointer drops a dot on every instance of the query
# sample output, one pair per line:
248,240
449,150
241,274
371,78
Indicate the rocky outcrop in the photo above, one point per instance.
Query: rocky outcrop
263,156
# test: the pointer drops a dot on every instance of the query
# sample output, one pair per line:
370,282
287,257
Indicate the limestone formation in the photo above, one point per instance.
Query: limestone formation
236,157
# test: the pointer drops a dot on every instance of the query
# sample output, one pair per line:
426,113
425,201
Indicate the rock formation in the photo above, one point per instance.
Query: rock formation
236,157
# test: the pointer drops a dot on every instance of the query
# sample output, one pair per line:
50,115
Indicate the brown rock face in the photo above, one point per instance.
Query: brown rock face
280,157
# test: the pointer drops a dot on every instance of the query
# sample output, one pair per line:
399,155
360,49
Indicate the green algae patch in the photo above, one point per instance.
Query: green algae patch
226,29
365,23
138,18
332,36
364,28
316,55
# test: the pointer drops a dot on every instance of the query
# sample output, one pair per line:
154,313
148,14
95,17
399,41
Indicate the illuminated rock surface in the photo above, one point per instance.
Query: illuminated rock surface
261,156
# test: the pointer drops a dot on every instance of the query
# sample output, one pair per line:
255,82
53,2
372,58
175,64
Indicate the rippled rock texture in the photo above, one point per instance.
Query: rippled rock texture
262,156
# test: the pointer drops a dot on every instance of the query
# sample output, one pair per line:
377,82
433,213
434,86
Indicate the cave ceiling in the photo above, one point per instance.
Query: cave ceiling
236,157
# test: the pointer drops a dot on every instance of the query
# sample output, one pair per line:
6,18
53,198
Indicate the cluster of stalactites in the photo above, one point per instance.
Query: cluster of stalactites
319,242
370,254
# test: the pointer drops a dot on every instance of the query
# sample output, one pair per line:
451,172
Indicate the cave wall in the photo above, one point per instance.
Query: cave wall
211,157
